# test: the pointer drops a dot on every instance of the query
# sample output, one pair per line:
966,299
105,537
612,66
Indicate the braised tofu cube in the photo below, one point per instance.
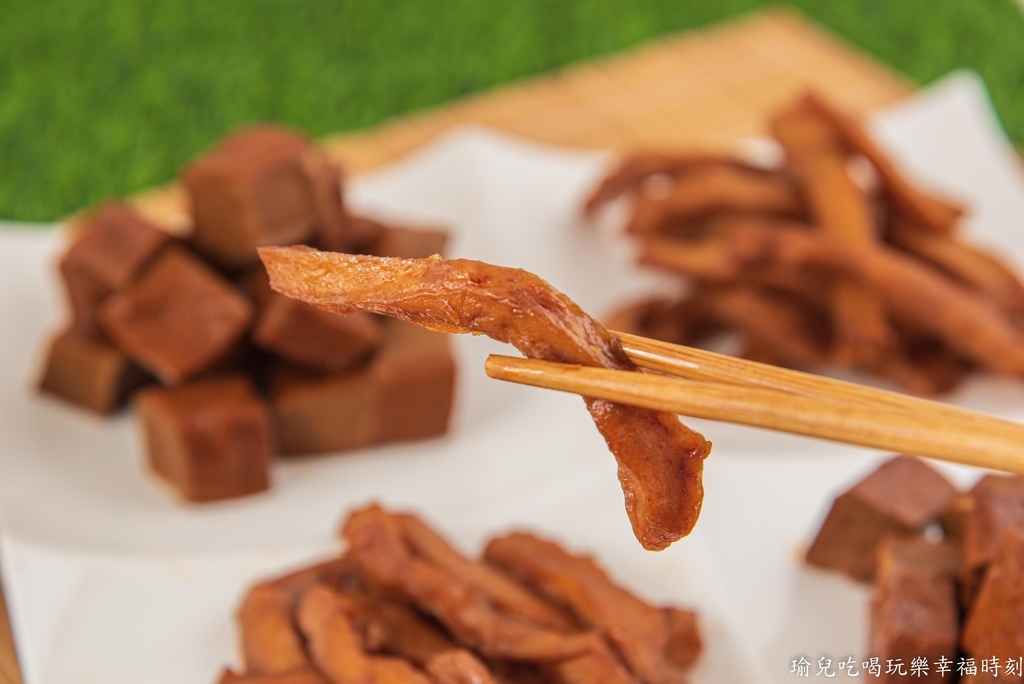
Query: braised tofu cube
315,339
264,185
83,367
210,440
900,498
914,608
414,372
179,319
111,247
318,413
994,505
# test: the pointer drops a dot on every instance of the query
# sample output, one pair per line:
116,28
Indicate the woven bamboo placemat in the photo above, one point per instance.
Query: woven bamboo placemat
706,89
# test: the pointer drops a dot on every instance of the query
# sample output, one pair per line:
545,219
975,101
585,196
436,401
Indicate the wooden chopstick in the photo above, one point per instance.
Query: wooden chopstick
797,405
698,364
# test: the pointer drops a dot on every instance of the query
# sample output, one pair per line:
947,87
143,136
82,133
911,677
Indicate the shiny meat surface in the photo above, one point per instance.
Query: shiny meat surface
660,460
459,667
637,630
376,544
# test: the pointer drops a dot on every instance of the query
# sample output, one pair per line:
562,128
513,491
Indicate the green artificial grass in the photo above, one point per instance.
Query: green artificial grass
100,99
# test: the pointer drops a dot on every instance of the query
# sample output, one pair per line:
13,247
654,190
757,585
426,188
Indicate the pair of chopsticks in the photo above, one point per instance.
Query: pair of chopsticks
707,385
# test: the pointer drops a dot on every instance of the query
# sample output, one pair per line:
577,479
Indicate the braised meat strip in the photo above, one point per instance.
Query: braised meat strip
660,460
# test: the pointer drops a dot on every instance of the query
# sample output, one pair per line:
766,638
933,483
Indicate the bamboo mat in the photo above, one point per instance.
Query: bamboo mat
706,89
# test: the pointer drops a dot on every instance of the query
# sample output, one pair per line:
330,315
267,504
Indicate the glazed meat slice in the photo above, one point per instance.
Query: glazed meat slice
916,295
838,207
660,460
324,617
334,644
907,198
375,543
394,627
637,172
459,667
724,188
269,639
597,665
637,630
502,591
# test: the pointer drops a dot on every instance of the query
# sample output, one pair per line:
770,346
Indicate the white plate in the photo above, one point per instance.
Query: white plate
111,580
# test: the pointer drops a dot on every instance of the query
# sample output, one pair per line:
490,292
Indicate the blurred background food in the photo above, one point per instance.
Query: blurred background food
832,259
105,99
527,609
944,565
239,373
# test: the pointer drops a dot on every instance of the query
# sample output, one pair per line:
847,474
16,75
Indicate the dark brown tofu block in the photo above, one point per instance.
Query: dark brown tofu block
112,246
900,498
995,622
996,505
255,285
179,319
408,243
326,180
315,339
914,608
684,643
323,413
265,185
83,367
954,518
353,235
210,440
414,373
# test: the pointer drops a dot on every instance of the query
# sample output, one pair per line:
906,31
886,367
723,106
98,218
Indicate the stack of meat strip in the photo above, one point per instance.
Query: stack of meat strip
833,259
402,605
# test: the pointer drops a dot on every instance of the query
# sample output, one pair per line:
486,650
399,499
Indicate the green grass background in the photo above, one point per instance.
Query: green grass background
104,98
